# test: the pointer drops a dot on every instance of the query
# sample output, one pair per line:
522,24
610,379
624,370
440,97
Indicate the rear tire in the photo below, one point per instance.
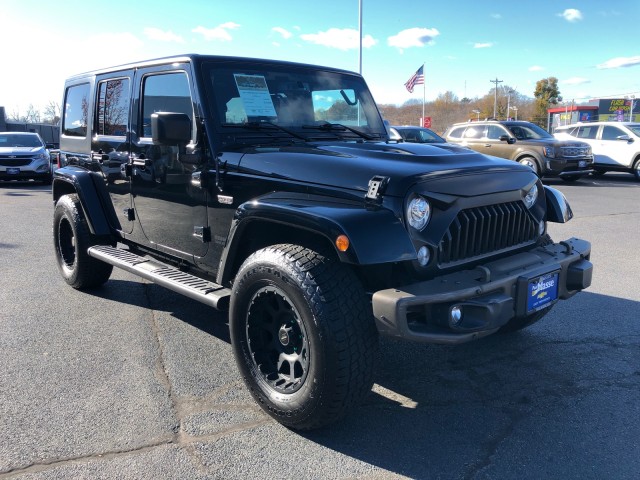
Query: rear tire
303,335
72,239
636,169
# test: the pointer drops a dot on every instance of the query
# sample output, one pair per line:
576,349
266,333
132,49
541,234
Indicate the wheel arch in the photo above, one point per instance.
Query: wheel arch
93,196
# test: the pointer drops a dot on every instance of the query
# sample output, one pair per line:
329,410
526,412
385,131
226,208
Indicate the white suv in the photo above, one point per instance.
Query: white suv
615,145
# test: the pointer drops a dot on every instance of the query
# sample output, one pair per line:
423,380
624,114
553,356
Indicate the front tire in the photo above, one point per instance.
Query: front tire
303,335
72,239
532,163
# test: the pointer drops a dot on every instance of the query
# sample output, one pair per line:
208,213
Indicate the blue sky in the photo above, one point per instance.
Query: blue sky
590,46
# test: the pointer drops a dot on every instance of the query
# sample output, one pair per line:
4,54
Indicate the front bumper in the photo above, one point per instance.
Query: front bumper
569,167
488,296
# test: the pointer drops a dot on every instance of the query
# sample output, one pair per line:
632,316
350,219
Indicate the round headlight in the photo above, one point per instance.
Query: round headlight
418,212
531,196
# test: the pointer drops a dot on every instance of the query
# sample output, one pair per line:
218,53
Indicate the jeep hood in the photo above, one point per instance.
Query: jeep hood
444,168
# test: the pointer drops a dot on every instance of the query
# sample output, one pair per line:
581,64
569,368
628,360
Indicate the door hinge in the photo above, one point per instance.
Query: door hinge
203,233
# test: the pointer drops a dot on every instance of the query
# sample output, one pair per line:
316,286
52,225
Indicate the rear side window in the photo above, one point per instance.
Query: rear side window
588,131
168,92
76,109
113,107
474,132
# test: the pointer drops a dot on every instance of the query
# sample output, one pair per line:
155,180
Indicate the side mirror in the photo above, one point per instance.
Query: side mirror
508,139
169,128
625,138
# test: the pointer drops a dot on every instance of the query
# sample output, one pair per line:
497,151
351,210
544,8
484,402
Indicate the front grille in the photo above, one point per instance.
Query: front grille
479,231
575,151
14,162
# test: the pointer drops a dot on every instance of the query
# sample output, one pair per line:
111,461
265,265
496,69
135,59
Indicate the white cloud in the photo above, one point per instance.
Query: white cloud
157,34
483,45
497,16
620,62
575,81
571,15
536,68
342,39
283,33
413,37
221,32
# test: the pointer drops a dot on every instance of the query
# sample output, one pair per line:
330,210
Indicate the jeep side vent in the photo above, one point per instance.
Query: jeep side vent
480,231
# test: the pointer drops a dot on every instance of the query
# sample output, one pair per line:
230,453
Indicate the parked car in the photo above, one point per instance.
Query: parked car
272,189
615,145
418,135
24,156
526,143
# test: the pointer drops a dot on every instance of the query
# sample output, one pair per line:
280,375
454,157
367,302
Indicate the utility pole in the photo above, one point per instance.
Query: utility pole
495,96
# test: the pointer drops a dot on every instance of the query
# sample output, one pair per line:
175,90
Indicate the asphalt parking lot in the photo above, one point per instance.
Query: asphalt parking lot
132,381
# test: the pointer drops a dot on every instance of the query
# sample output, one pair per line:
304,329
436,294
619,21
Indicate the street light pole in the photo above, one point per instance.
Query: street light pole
477,112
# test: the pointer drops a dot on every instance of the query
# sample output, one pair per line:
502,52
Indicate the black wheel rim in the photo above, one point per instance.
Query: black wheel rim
277,340
66,243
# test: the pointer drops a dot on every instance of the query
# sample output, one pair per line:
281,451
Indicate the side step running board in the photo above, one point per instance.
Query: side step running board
169,277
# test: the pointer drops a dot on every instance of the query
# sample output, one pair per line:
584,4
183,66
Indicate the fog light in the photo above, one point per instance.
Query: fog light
423,256
455,316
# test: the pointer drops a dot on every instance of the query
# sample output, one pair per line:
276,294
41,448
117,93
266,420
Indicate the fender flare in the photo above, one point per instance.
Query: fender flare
558,208
375,234
92,194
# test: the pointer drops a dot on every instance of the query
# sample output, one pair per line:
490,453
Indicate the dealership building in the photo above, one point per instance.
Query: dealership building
610,110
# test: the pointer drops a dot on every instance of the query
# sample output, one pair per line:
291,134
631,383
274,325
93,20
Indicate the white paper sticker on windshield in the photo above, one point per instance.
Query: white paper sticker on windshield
255,96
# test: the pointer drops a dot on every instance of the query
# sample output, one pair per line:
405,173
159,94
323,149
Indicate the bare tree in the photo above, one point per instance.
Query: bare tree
33,115
52,113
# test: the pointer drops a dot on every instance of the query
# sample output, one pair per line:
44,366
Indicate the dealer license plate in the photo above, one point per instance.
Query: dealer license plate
542,291
13,171
582,163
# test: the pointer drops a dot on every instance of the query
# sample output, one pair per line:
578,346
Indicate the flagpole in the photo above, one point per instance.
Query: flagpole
424,92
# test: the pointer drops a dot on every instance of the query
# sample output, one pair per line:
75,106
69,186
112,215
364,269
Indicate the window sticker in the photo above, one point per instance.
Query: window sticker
255,96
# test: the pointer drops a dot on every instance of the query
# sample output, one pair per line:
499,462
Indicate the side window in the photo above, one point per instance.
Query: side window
588,131
494,132
76,108
167,92
112,111
611,133
474,132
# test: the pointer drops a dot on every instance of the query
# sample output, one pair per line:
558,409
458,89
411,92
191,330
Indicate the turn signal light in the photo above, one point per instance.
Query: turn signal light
342,243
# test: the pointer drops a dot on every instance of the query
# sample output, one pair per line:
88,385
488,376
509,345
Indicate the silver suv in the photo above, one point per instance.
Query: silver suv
615,145
526,143
23,155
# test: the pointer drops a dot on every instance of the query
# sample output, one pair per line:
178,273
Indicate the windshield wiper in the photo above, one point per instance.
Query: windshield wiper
261,124
339,127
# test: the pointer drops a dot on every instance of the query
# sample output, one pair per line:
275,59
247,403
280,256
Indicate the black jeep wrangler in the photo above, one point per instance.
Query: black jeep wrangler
272,189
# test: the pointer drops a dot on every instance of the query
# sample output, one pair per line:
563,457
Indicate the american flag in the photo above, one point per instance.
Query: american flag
416,79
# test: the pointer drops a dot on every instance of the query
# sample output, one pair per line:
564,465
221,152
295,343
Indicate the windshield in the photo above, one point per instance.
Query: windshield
20,141
293,99
528,132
